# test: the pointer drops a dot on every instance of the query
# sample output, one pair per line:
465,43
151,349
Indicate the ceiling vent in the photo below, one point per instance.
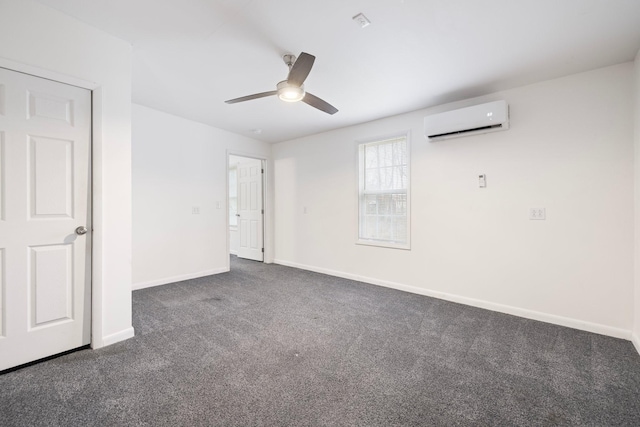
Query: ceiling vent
483,118
361,20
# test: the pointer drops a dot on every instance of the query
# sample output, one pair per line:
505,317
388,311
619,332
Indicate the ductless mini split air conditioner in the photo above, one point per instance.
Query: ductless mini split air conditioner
482,118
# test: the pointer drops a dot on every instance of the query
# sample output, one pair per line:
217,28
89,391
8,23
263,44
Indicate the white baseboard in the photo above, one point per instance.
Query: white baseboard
166,280
516,311
117,337
635,339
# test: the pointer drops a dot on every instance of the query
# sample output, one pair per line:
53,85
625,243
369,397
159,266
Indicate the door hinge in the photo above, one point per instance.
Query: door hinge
262,170
262,250
262,211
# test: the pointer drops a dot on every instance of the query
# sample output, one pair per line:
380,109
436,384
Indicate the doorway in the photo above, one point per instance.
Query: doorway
246,207
45,218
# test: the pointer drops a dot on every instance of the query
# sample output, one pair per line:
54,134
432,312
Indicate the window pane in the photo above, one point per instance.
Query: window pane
400,228
400,204
371,205
396,177
369,227
384,204
372,179
371,158
385,228
385,179
384,155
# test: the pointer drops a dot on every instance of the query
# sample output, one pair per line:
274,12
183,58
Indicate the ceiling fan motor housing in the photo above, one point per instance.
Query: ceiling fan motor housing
289,60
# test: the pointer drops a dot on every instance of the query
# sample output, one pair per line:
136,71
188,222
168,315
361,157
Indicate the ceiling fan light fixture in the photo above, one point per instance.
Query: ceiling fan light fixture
290,93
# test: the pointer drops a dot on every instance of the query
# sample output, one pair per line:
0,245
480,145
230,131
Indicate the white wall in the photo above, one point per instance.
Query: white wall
569,150
179,164
41,41
636,120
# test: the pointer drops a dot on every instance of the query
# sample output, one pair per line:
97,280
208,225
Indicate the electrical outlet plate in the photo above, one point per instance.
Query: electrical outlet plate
195,210
537,214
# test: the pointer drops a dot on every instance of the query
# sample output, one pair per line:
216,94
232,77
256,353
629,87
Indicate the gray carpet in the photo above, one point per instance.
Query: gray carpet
267,345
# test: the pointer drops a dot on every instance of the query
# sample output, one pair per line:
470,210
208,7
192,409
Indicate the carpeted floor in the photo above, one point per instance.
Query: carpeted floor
267,345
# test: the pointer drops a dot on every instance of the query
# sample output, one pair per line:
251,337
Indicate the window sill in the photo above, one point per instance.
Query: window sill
389,245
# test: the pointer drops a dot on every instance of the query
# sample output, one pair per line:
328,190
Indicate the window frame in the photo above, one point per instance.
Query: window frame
360,144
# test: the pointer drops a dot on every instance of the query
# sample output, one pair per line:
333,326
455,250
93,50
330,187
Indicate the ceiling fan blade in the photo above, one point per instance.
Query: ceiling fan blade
300,69
250,97
318,103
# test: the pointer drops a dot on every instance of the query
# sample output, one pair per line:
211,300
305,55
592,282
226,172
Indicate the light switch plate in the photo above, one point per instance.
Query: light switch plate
195,210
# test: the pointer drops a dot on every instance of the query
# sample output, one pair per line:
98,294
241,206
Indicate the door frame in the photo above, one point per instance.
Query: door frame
96,183
266,240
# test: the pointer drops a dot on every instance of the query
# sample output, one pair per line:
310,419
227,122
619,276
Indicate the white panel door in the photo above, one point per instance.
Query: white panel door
250,210
45,259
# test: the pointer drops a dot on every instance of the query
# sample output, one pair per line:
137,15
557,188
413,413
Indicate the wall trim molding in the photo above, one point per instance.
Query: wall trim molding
125,334
46,74
179,278
635,339
501,308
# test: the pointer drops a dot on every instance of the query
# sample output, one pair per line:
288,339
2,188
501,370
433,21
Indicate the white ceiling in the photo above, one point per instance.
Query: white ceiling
189,56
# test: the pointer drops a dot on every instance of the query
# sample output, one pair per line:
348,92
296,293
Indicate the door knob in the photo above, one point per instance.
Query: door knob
237,214
81,230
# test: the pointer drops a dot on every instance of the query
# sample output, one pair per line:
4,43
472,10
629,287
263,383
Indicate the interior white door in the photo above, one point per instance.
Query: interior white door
45,258
250,211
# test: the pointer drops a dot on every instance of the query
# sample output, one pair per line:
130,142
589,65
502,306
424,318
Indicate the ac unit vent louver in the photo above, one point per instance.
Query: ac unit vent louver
483,118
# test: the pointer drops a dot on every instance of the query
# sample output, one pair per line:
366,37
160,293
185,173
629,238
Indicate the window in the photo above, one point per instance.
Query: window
233,196
384,192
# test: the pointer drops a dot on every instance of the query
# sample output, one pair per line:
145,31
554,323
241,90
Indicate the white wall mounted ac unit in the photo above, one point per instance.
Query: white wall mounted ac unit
482,118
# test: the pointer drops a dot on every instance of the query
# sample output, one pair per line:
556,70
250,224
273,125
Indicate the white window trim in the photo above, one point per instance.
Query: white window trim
359,168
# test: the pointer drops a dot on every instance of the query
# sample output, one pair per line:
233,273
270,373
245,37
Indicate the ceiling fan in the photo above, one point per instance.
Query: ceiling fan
292,89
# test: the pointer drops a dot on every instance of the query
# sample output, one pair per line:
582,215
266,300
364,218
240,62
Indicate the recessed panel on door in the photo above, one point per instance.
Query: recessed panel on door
243,196
51,295
48,106
51,177
253,194
254,234
244,233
